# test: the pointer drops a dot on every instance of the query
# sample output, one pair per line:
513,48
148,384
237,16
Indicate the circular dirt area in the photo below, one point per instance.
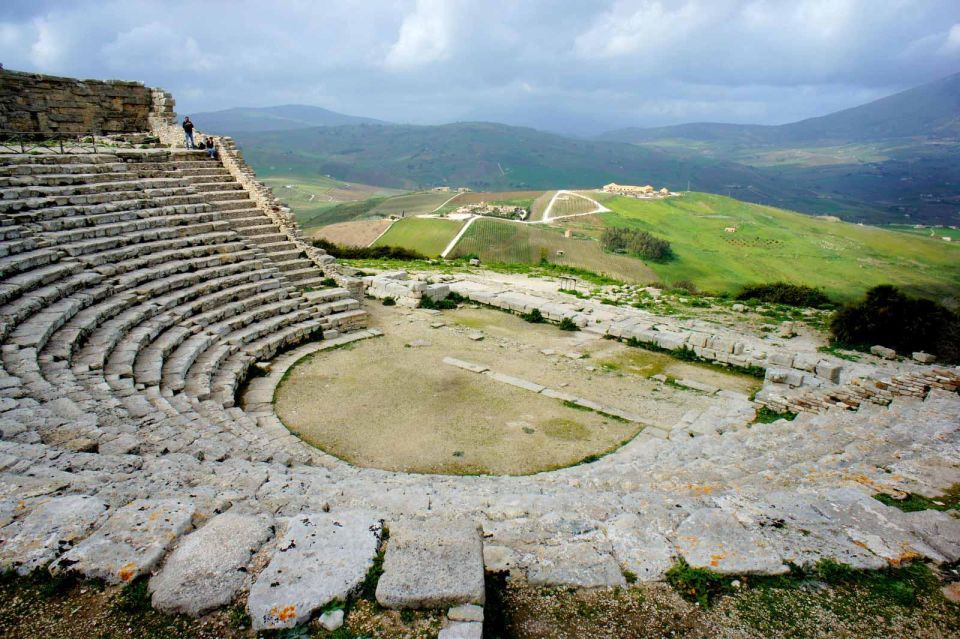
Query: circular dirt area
392,403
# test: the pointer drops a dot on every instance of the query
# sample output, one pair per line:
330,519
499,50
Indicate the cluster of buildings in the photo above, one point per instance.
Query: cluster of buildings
630,190
493,210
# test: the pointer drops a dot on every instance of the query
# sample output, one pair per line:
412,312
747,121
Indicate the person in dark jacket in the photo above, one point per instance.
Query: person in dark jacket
211,148
188,133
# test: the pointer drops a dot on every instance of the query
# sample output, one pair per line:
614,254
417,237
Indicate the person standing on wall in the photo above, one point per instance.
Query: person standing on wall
188,132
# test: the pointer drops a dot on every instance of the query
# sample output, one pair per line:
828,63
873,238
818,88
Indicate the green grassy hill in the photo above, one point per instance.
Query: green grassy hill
773,244
769,245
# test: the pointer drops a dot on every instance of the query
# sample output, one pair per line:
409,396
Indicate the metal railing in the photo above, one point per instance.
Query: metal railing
48,142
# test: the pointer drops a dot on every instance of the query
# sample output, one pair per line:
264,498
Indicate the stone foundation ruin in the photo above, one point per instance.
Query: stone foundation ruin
141,287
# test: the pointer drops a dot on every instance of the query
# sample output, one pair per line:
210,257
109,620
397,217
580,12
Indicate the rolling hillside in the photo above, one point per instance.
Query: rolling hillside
276,118
488,157
893,160
768,244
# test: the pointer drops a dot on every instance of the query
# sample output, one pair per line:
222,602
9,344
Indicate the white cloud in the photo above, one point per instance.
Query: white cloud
548,63
47,50
952,43
637,28
424,37
156,45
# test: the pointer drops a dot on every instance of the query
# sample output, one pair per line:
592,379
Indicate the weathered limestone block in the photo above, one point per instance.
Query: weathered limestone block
639,547
781,358
432,564
829,371
884,352
874,526
576,564
938,529
924,358
714,539
319,558
806,362
131,542
784,376
49,530
208,567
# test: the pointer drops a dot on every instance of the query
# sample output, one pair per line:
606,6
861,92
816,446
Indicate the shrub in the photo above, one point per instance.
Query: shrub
367,252
446,304
567,324
328,282
785,293
534,316
389,301
697,584
635,242
889,317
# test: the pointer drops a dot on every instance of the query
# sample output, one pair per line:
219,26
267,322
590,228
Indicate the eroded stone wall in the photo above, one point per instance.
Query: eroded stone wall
34,102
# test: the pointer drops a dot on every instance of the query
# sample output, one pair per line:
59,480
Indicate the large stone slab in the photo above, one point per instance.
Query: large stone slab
639,547
208,567
431,564
712,538
469,366
49,530
938,529
320,557
131,542
872,525
801,534
577,564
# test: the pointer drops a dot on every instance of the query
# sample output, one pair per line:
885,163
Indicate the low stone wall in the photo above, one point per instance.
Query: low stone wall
859,391
405,292
50,104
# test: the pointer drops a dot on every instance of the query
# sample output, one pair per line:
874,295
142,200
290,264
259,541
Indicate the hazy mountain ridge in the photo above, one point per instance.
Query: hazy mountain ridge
276,118
929,110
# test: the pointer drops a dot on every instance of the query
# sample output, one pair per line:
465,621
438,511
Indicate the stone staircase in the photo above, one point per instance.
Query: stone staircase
137,290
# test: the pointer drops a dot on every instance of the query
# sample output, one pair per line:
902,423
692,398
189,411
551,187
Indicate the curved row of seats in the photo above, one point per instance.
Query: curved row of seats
149,282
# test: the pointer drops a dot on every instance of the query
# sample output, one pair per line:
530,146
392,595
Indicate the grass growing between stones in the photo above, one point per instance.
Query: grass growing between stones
950,500
766,415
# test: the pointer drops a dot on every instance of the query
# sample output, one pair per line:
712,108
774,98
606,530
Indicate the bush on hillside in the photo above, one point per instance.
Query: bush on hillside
367,252
634,242
888,317
785,293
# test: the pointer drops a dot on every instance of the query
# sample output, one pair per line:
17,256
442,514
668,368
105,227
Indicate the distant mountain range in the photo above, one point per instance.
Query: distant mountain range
896,159
482,156
930,110
276,118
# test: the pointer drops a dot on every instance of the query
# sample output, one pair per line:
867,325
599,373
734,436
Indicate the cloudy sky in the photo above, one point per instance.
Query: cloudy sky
580,66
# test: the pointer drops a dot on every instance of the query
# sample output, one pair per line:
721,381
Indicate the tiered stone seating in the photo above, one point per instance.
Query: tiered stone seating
137,288
115,266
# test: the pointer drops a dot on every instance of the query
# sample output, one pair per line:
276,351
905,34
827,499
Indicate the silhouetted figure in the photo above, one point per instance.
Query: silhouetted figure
188,133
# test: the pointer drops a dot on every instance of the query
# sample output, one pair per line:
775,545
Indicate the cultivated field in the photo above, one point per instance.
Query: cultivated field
428,236
773,244
411,204
540,205
571,204
310,196
358,233
500,241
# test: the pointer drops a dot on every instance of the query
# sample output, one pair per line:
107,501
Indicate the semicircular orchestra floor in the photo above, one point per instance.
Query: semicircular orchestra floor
394,403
